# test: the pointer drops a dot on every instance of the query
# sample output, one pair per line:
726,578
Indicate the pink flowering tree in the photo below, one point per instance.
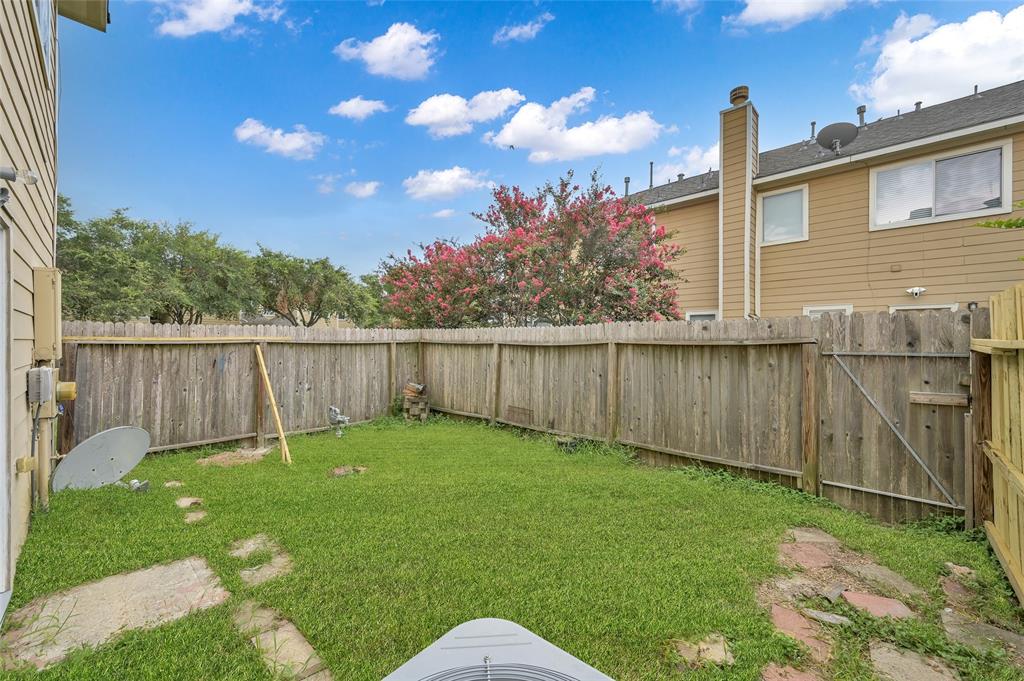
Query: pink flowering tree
564,255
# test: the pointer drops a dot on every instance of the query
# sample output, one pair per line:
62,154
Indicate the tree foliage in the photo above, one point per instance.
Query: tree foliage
303,290
564,255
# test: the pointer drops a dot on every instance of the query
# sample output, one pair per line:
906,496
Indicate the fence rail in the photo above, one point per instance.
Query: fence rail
866,409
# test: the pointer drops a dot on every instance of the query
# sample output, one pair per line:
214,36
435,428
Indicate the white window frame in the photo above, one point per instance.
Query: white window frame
845,308
924,306
49,65
806,214
1006,191
689,313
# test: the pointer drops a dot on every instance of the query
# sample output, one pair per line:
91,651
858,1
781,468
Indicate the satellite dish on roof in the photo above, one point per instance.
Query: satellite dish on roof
836,136
102,459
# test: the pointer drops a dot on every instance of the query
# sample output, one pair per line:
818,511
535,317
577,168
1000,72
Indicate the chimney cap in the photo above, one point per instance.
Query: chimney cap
680,176
739,95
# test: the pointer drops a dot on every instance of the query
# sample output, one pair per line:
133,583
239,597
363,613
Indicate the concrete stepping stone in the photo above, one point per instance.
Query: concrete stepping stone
878,606
236,457
827,617
342,471
879,574
280,564
796,626
960,571
285,651
713,649
807,555
174,483
774,672
188,502
980,636
243,548
48,628
896,664
810,535
956,593
194,516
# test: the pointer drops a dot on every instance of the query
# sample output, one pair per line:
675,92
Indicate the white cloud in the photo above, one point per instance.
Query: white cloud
523,32
357,108
190,17
362,190
692,161
325,184
300,144
544,130
449,115
781,15
403,52
678,6
922,61
904,28
443,184
443,214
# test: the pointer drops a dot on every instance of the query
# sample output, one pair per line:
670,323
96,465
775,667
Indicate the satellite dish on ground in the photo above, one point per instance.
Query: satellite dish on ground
493,649
102,459
836,136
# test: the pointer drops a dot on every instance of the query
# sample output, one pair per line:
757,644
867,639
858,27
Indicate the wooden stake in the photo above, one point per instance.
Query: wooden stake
258,401
286,456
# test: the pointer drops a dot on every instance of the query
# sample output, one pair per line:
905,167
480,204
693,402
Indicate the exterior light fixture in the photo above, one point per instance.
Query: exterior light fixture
916,291
15,175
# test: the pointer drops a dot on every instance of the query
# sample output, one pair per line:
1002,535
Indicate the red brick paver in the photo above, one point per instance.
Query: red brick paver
807,555
793,624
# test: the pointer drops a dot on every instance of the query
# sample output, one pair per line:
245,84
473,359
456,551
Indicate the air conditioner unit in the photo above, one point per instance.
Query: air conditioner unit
493,649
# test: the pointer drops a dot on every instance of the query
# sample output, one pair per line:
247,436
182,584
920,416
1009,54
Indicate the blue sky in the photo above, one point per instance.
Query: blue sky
219,111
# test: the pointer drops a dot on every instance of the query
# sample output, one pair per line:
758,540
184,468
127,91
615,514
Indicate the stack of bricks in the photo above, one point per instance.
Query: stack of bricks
415,404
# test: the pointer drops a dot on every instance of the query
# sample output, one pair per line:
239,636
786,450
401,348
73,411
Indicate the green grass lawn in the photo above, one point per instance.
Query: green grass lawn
604,557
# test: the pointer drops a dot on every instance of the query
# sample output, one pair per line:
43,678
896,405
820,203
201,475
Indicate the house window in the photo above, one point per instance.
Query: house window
782,215
924,306
702,316
818,310
942,187
43,15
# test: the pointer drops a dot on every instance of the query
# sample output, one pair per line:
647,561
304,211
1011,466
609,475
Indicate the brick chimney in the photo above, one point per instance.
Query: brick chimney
737,243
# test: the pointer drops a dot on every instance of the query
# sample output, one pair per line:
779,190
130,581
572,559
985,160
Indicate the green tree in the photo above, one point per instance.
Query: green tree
1008,223
303,290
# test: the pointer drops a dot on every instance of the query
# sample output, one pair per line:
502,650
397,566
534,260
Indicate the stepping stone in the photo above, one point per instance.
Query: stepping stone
895,664
285,651
980,636
793,624
342,471
194,516
835,592
956,593
173,483
827,617
237,457
774,672
806,554
280,564
714,649
880,574
48,628
878,606
243,548
810,535
188,502
960,571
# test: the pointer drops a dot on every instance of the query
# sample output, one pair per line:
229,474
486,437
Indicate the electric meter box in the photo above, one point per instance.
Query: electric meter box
41,383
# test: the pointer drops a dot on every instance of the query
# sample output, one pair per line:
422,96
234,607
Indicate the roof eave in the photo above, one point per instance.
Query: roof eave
91,13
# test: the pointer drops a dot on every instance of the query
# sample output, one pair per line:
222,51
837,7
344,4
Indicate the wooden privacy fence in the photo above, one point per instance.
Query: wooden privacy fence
866,409
999,460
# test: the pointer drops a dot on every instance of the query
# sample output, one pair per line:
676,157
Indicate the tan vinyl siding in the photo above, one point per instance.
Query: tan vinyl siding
27,140
694,227
751,282
733,188
844,262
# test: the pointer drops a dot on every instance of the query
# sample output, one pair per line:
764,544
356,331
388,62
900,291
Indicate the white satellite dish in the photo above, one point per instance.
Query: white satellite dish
101,459
493,649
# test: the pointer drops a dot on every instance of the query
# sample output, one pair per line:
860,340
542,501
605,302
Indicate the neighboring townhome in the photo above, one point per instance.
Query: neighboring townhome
879,216
29,284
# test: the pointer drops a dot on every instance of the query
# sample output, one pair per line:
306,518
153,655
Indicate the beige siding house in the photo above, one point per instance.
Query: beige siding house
30,288
804,229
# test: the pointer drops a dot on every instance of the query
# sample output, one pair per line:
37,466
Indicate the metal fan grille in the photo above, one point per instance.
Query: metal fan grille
499,672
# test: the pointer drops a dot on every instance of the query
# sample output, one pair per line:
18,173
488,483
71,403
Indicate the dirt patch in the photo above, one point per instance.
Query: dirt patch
48,628
237,457
342,471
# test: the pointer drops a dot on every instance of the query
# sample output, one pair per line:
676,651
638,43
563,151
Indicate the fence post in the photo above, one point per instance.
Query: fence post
809,418
420,373
982,505
496,381
261,435
612,378
392,351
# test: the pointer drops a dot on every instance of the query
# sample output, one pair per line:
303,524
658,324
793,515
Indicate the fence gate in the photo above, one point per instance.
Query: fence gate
1005,447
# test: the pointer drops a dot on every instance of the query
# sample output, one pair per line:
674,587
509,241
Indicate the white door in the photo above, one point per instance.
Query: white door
5,419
